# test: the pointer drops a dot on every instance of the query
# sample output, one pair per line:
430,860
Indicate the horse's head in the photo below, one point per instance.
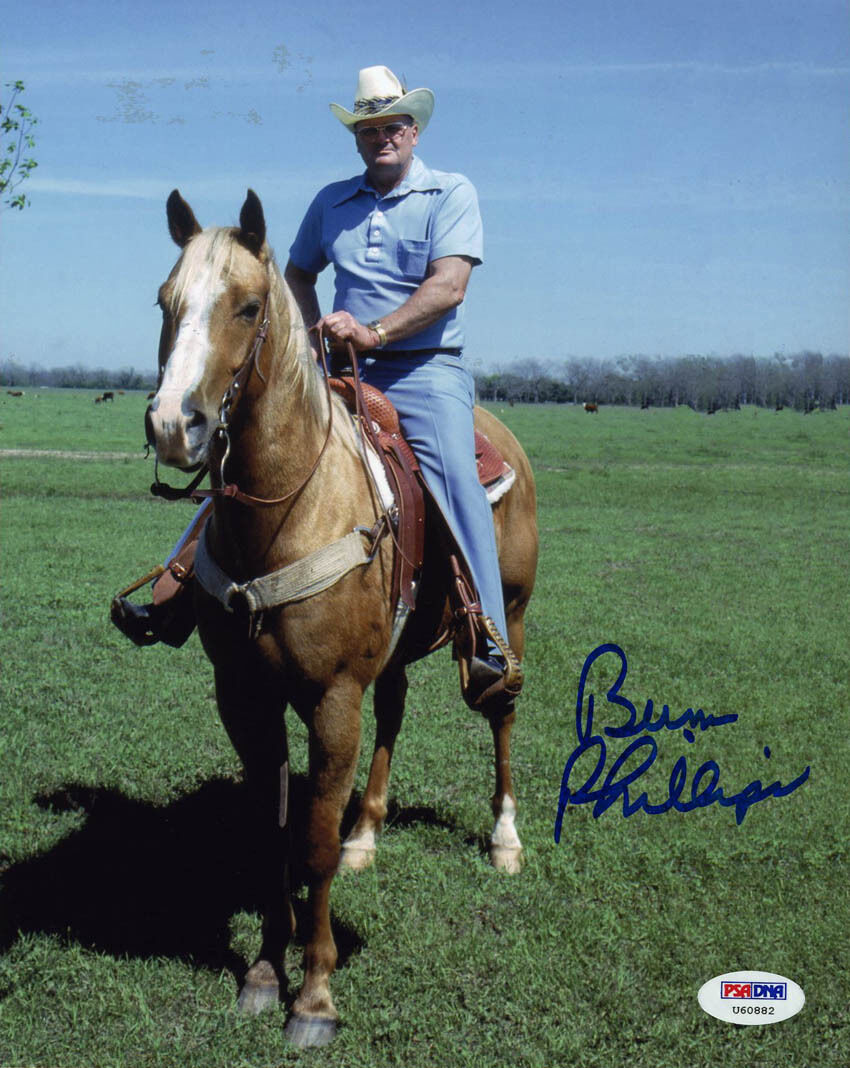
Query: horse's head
212,305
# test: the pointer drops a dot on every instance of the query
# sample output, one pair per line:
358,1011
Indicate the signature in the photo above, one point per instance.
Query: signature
617,783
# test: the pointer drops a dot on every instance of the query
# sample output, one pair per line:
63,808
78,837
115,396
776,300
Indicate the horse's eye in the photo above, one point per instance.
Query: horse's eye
250,311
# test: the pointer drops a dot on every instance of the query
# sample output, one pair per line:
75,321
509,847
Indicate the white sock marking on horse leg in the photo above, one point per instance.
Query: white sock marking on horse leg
504,833
358,853
366,841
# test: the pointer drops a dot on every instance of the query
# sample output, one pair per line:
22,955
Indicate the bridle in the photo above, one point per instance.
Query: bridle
229,402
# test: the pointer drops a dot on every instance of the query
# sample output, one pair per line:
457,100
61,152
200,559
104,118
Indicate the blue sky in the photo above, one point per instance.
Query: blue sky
655,176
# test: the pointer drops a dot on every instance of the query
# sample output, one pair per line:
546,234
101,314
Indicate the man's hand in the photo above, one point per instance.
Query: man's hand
340,326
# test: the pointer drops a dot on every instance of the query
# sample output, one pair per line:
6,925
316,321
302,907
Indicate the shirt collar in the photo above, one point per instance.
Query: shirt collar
419,179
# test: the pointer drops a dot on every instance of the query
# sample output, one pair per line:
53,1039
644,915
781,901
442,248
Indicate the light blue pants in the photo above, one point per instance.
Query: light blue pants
434,396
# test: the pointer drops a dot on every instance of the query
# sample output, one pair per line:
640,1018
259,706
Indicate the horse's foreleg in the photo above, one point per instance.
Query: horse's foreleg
334,747
257,730
358,850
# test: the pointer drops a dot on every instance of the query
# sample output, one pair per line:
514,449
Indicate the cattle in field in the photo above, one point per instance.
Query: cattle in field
15,392
108,395
591,407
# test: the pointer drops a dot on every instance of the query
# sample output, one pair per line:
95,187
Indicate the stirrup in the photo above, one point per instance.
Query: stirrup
486,688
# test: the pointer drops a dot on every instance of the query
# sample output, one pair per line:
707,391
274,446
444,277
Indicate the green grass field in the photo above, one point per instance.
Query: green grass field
713,550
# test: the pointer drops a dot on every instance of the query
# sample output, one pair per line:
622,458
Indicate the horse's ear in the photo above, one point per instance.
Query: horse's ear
252,223
182,224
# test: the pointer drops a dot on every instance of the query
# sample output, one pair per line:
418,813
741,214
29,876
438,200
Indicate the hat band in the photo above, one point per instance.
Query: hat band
374,104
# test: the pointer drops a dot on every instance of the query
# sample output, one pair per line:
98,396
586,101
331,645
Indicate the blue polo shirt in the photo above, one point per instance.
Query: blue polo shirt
381,246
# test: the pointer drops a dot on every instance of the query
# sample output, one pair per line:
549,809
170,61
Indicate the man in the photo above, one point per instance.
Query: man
403,240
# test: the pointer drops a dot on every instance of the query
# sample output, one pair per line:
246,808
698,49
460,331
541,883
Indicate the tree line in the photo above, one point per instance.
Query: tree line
15,373
804,381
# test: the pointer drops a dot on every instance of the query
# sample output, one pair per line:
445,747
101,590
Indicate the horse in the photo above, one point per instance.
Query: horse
290,442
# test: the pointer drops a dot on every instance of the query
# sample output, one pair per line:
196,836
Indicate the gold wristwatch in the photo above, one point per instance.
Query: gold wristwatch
378,327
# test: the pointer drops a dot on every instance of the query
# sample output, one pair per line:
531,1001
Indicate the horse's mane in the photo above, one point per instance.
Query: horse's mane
213,251
298,353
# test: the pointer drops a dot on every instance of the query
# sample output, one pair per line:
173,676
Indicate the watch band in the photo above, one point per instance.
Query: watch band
378,327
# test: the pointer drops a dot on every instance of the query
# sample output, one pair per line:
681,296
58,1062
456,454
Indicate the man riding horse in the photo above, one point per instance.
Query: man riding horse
403,240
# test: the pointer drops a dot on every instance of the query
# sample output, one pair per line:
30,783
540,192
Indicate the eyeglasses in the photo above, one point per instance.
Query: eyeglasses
392,131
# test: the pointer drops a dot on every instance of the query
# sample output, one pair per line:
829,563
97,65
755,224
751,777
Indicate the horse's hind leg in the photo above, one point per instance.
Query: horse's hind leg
256,727
358,850
505,846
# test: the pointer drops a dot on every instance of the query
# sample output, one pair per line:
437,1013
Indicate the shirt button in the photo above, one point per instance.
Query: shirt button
376,234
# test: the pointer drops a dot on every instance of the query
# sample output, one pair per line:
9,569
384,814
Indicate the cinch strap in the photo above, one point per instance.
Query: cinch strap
308,576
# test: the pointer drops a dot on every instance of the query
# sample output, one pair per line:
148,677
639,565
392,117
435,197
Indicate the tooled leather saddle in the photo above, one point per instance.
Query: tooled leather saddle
381,424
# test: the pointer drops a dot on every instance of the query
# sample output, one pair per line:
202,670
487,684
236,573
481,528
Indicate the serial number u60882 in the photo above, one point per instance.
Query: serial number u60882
750,1010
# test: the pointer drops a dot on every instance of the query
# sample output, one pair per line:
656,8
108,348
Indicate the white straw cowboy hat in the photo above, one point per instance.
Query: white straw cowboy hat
380,93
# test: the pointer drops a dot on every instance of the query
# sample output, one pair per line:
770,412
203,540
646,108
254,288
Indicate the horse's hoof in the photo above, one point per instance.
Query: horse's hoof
305,1031
506,858
353,858
255,998
261,989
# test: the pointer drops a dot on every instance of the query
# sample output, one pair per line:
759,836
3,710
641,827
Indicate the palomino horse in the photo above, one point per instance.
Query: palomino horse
291,441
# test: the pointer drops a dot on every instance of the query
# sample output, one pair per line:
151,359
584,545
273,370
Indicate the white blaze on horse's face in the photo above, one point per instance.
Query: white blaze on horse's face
183,415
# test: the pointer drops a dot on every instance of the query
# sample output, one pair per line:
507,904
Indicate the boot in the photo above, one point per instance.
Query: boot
170,618
170,621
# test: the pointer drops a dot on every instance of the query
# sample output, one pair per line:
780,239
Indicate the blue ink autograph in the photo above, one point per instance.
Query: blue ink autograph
704,789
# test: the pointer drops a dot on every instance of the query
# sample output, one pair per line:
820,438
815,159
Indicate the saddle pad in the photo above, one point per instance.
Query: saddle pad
492,467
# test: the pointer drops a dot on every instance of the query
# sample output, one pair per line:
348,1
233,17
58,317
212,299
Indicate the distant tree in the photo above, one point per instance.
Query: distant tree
16,139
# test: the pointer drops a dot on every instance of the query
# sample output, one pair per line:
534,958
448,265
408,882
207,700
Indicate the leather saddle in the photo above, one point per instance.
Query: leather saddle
381,424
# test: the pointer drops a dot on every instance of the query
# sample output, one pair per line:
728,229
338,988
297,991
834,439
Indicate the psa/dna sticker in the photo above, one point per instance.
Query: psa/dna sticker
751,997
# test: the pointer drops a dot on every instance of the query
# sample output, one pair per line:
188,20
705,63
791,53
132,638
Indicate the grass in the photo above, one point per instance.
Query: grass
713,550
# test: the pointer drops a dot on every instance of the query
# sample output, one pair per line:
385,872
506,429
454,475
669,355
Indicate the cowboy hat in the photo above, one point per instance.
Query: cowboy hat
380,93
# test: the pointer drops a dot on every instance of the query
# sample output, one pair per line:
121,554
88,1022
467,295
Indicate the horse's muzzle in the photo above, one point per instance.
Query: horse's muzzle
179,437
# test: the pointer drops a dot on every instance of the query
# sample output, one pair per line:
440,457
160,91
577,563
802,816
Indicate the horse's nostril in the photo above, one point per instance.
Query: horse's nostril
197,419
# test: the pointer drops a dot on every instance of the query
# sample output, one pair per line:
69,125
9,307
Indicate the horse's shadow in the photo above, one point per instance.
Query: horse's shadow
143,880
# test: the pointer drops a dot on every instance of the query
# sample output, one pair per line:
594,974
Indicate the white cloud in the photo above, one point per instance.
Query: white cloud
137,188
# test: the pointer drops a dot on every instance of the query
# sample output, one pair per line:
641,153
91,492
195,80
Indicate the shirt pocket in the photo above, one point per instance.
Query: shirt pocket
413,258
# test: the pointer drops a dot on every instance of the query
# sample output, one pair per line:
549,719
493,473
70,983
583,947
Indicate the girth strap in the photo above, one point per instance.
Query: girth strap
304,578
